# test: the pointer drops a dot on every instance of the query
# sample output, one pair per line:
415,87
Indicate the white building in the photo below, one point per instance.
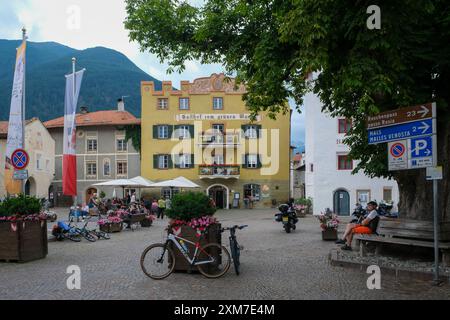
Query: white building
329,179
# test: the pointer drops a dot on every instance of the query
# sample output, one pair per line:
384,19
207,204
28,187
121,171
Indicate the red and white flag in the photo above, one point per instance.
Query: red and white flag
70,133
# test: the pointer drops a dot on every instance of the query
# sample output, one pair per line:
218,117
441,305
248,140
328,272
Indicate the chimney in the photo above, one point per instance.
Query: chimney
84,110
120,105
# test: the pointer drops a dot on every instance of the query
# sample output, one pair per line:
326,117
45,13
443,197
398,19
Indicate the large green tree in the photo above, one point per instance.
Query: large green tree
272,45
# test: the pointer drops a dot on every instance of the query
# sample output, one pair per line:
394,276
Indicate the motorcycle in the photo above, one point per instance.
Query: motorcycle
288,217
384,209
358,214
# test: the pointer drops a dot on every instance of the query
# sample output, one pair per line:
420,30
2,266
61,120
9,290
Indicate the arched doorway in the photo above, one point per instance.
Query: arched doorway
89,193
221,195
51,196
341,202
30,187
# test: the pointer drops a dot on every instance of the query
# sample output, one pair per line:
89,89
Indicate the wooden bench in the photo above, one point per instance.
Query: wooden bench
406,233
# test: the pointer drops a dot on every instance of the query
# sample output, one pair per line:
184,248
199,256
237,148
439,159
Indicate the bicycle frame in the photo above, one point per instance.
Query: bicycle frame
176,240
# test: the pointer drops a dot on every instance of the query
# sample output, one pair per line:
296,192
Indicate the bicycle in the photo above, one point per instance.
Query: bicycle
234,246
161,258
101,235
84,232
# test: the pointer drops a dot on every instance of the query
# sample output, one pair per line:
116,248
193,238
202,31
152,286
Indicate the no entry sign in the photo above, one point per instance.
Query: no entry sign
20,159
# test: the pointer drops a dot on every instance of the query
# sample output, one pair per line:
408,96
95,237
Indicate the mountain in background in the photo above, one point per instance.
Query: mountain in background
109,76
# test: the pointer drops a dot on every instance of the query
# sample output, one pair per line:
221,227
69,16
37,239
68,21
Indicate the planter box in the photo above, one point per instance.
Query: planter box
27,243
112,227
330,235
213,236
146,223
300,213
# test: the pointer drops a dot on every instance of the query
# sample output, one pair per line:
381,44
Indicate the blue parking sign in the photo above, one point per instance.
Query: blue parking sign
422,147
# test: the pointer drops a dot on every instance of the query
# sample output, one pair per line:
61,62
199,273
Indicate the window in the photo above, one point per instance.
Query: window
252,190
344,125
218,103
163,132
252,161
185,161
38,161
218,159
163,104
344,163
218,128
122,145
363,197
92,145
251,132
163,162
122,168
183,132
311,167
91,169
184,103
107,167
387,194
167,192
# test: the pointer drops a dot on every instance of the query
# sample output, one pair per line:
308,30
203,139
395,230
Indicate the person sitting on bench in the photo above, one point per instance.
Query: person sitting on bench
367,226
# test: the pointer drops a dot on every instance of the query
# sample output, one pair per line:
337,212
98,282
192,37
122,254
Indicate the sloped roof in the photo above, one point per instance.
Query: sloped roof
98,118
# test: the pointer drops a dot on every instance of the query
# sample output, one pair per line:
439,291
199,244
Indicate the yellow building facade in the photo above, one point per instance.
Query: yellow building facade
203,132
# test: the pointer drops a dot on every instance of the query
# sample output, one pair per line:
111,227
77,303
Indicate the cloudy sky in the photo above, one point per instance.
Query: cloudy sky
99,23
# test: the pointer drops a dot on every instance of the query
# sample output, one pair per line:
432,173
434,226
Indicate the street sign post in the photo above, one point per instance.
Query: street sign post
20,175
402,131
404,115
413,153
20,159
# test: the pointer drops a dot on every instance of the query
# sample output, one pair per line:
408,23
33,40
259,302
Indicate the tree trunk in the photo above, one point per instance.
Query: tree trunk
416,194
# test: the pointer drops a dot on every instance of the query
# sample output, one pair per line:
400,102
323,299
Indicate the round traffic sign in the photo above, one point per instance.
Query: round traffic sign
20,159
398,149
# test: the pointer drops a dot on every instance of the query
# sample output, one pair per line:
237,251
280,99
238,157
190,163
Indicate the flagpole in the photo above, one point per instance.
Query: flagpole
24,40
74,61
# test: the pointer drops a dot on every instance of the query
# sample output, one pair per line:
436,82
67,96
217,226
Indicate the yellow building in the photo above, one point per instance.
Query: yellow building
203,132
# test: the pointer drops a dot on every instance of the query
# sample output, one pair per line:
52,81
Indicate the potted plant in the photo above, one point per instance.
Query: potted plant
23,230
192,214
303,206
111,224
329,223
148,221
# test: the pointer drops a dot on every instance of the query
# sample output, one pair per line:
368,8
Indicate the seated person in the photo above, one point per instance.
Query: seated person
368,226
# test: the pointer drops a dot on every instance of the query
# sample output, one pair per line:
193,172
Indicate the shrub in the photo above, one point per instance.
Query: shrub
21,206
102,195
191,205
304,201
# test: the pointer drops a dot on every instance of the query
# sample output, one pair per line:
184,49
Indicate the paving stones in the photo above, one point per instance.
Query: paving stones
274,265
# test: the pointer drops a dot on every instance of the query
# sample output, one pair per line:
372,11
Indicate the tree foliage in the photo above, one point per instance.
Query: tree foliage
273,45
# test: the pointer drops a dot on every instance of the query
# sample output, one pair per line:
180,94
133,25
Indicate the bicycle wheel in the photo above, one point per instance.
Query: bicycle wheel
103,235
158,261
88,236
73,237
219,266
235,254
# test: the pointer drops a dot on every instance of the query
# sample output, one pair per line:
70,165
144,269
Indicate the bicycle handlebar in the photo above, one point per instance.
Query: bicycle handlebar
235,227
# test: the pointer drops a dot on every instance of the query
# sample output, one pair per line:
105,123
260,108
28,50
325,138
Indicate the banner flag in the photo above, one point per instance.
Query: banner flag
70,134
15,125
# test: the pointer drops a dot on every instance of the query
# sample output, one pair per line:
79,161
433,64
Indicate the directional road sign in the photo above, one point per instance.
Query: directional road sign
20,159
404,115
402,131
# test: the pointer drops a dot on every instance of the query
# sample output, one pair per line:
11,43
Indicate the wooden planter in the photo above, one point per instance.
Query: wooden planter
300,213
146,223
27,243
112,227
330,234
213,236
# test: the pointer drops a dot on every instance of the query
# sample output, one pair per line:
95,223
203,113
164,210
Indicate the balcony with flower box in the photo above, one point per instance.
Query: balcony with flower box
218,139
219,171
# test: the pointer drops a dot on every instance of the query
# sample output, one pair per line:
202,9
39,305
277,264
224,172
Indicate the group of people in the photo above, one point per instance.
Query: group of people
159,207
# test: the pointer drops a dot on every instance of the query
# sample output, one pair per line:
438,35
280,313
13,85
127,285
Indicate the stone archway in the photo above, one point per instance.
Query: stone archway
220,194
30,187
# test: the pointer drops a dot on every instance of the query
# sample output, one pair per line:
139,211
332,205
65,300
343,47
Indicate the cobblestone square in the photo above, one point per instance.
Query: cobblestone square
275,265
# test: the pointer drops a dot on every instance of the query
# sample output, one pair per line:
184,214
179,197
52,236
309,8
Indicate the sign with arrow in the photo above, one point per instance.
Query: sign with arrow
404,115
402,131
412,153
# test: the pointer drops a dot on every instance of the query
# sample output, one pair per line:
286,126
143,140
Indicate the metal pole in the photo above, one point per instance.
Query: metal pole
74,61
24,40
436,231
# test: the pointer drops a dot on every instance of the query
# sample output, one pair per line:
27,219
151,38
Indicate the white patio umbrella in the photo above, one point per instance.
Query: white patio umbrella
143,181
123,183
